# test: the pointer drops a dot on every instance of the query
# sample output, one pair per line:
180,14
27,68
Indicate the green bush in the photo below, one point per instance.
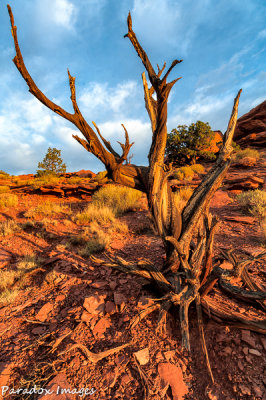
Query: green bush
184,173
119,198
8,200
52,163
186,144
253,202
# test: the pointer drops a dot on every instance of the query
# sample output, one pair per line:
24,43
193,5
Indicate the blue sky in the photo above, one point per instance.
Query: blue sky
222,43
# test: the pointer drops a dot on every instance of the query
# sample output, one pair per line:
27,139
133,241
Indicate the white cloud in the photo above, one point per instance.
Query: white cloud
64,13
100,95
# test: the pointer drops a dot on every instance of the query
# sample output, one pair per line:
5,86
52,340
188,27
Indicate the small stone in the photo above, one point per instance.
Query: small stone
42,315
142,356
172,375
112,285
110,307
263,342
247,338
240,365
5,372
100,328
169,355
86,317
245,350
255,352
39,330
60,297
227,350
119,298
95,304
99,284
57,386
244,389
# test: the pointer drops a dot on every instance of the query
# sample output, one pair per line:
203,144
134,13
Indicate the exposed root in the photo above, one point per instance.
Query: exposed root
93,357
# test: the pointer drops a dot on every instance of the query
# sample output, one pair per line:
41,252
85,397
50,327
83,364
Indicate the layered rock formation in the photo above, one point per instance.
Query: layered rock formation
251,128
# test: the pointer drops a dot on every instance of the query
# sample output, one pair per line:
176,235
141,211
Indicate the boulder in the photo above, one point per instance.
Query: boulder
251,127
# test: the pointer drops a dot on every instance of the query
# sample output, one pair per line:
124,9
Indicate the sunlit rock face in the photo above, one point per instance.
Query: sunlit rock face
251,128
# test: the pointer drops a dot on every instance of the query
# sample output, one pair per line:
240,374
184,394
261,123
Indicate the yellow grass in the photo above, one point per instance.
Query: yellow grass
47,209
93,212
8,200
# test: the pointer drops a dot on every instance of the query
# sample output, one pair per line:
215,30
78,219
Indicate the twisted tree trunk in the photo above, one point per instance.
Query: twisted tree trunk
188,274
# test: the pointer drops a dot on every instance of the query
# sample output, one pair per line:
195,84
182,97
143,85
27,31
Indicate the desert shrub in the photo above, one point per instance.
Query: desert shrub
198,168
248,152
119,198
8,227
8,200
74,180
97,243
52,163
182,196
47,208
253,202
47,179
93,212
184,173
119,227
186,144
101,177
4,175
17,278
4,189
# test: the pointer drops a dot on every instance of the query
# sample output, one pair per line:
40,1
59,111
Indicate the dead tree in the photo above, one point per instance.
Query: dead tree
190,270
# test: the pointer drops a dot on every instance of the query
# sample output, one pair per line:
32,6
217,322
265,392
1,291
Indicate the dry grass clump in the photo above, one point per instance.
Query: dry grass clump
182,196
186,173
4,189
253,202
47,208
96,244
8,227
93,212
119,198
12,280
46,179
119,227
248,152
8,200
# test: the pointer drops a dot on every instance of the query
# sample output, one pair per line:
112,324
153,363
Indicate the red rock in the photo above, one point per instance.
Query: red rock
39,330
169,355
99,284
143,356
112,285
86,317
101,326
42,315
60,297
110,307
245,336
172,375
251,127
241,219
119,298
5,372
220,198
95,304
254,352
